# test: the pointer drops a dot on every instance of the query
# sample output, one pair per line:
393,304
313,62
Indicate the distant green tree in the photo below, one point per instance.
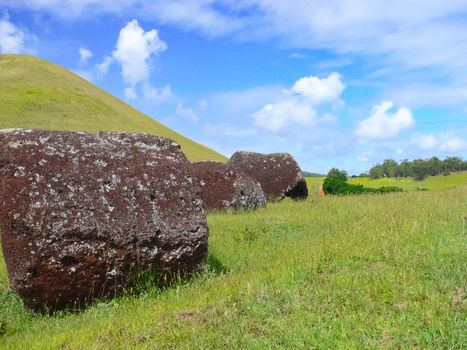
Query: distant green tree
405,168
390,168
376,172
454,164
420,169
435,166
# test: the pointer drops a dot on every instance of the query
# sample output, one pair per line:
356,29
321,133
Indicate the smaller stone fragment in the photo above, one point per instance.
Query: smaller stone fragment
278,173
222,187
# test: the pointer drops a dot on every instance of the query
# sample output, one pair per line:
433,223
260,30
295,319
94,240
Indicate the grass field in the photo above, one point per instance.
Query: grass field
439,182
38,94
371,271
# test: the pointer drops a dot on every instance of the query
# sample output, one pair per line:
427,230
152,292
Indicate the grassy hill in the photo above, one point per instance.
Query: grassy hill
356,272
39,94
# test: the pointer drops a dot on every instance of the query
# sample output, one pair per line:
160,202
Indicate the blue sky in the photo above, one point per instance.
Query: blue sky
337,83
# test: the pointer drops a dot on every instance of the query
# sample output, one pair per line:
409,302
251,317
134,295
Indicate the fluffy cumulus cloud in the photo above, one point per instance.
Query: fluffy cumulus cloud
12,38
319,90
275,117
382,124
134,51
84,55
298,104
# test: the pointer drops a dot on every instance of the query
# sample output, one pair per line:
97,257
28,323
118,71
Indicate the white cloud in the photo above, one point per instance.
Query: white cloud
455,144
12,38
297,105
424,142
275,117
134,51
84,55
319,90
385,125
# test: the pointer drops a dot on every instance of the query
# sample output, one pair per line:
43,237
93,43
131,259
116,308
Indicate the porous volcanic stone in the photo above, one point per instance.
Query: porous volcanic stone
224,188
278,173
83,215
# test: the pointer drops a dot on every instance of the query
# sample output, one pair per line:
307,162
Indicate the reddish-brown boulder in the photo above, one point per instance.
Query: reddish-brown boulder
82,216
224,188
278,173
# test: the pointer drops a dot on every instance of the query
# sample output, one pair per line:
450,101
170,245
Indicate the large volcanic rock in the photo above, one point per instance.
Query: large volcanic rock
83,215
224,188
278,173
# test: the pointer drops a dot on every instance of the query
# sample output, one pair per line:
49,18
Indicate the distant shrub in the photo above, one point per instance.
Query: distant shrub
332,185
386,189
337,174
336,183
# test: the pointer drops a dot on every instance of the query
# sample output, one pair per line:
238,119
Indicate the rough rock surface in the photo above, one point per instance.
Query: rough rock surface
83,215
278,173
224,188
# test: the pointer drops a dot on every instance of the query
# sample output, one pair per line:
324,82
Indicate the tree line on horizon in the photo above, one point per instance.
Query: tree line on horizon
419,169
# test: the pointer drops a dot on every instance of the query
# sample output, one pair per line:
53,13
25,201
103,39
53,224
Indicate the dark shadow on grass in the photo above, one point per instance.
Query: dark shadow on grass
214,265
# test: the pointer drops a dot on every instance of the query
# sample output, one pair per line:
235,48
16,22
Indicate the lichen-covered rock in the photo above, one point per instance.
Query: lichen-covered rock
83,215
224,188
278,173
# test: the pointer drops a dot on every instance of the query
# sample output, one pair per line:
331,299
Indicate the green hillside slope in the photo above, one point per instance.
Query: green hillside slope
38,94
